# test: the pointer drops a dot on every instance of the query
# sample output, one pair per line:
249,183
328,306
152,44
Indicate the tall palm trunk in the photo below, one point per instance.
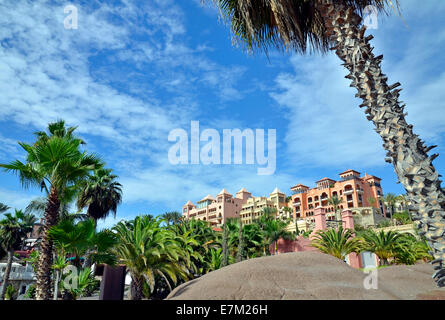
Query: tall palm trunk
7,273
137,286
225,247
43,285
405,150
240,253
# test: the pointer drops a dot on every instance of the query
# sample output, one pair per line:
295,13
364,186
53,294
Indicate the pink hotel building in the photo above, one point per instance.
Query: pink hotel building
353,190
217,210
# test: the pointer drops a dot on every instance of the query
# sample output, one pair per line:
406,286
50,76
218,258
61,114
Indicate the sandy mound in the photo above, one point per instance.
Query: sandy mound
305,275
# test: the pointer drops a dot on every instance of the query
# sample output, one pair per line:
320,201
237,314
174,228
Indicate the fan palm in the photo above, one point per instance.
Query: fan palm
275,230
172,217
13,228
57,129
383,244
76,239
56,166
3,207
148,250
337,242
319,25
101,194
372,201
390,200
38,206
335,202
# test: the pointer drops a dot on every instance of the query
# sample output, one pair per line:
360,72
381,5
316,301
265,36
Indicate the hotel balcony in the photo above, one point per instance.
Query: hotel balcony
346,192
212,217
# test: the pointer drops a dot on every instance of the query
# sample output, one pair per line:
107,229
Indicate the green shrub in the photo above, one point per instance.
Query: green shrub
11,293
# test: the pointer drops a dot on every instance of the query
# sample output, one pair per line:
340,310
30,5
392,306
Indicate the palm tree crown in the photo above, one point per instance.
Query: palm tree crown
297,25
101,194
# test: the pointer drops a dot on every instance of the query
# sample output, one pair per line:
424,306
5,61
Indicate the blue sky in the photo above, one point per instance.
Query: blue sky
135,70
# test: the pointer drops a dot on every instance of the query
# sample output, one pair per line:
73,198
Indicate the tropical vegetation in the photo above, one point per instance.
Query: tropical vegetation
319,26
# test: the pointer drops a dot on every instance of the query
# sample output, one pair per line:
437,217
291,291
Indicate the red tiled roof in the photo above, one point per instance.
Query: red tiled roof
349,170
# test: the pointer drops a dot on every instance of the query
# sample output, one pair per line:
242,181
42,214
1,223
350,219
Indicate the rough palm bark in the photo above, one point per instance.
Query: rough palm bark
225,247
240,253
405,150
43,285
7,273
137,287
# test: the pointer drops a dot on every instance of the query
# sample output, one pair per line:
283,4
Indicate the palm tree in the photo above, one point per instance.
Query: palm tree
57,129
372,201
38,206
75,240
59,264
85,282
225,246
3,207
383,244
409,250
390,200
240,254
13,228
204,240
319,25
337,242
401,198
213,260
335,202
287,211
172,217
148,250
101,194
56,166
275,230
253,239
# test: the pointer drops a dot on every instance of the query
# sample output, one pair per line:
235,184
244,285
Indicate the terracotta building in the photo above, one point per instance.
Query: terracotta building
254,206
216,210
353,190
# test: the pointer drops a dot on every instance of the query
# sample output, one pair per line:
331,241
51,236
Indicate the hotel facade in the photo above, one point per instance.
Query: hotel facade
217,210
362,195
243,205
354,191
253,208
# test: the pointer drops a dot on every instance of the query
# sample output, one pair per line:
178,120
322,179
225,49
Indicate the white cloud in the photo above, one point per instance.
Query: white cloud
326,126
16,200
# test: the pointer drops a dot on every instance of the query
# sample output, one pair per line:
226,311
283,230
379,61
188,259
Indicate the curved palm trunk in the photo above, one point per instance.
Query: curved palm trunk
7,273
43,285
405,150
